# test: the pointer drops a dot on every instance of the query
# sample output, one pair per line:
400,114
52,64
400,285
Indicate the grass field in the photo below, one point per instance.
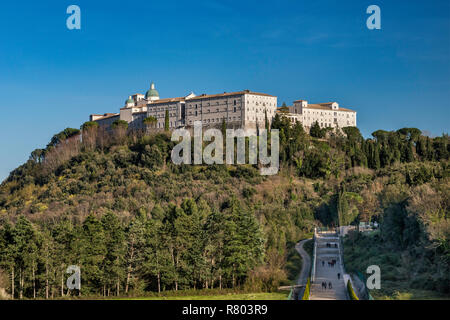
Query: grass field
410,294
229,296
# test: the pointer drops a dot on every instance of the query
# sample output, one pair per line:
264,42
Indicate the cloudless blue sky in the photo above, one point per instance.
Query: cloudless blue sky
52,78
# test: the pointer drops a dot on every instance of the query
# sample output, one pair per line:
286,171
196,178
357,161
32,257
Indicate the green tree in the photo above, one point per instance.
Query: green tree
8,253
135,246
316,131
150,122
224,129
89,125
26,252
115,251
266,121
120,124
37,155
166,120
157,259
94,251
243,246
61,136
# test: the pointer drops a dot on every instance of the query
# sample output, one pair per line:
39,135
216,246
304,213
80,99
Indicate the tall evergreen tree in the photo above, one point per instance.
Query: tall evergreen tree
316,131
135,246
94,252
25,240
266,121
166,120
113,271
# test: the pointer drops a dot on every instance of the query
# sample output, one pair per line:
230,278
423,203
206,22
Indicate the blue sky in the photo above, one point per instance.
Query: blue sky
52,78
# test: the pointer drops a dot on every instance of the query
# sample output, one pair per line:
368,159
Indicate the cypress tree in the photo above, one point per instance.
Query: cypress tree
376,157
166,120
266,120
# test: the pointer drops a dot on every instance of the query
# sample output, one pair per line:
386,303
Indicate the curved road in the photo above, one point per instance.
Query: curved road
306,262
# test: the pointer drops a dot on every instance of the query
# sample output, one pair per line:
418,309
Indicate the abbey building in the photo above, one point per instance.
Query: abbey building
242,109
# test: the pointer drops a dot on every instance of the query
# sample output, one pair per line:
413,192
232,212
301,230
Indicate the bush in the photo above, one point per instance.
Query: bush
351,292
307,289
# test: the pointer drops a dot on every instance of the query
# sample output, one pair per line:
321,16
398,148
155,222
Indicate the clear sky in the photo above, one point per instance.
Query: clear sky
52,78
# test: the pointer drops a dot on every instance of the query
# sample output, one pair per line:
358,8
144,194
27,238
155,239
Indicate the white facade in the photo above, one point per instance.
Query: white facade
157,109
104,120
243,109
328,114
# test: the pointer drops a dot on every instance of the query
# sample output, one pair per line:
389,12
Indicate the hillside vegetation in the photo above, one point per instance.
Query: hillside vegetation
114,204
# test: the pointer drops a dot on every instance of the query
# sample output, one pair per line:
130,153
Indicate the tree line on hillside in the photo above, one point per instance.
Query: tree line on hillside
312,157
91,196
315,158
182,247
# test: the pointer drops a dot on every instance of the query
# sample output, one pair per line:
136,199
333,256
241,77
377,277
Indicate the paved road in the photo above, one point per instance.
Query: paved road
326,273
306,262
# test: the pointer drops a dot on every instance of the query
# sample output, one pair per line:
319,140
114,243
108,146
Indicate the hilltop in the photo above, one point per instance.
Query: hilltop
135,222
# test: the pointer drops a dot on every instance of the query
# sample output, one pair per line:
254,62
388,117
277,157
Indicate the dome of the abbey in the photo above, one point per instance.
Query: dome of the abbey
152,92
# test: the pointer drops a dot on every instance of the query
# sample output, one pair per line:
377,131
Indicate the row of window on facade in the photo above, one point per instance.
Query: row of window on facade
312,118
335,114
217,120
160,125
207,104
173,108
323,125
209,111
225,103
162,115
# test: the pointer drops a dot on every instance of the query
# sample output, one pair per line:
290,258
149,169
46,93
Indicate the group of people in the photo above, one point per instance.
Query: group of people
324,285
330,263
329,245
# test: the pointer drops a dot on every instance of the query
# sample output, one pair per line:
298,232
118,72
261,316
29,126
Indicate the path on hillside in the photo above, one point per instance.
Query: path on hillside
326,273
306,262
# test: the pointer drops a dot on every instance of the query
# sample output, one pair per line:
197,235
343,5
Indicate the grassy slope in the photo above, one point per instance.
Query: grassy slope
294,261
409,294
229,296
395,277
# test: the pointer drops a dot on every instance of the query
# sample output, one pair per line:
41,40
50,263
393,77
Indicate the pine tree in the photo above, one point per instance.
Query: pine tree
48,259
25,242
156,256
93,253
243,244
115,251
67,246
316,131
135,246
214,246
8,253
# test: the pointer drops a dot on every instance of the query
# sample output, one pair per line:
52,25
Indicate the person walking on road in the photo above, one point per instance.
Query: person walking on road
329,285
339,276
